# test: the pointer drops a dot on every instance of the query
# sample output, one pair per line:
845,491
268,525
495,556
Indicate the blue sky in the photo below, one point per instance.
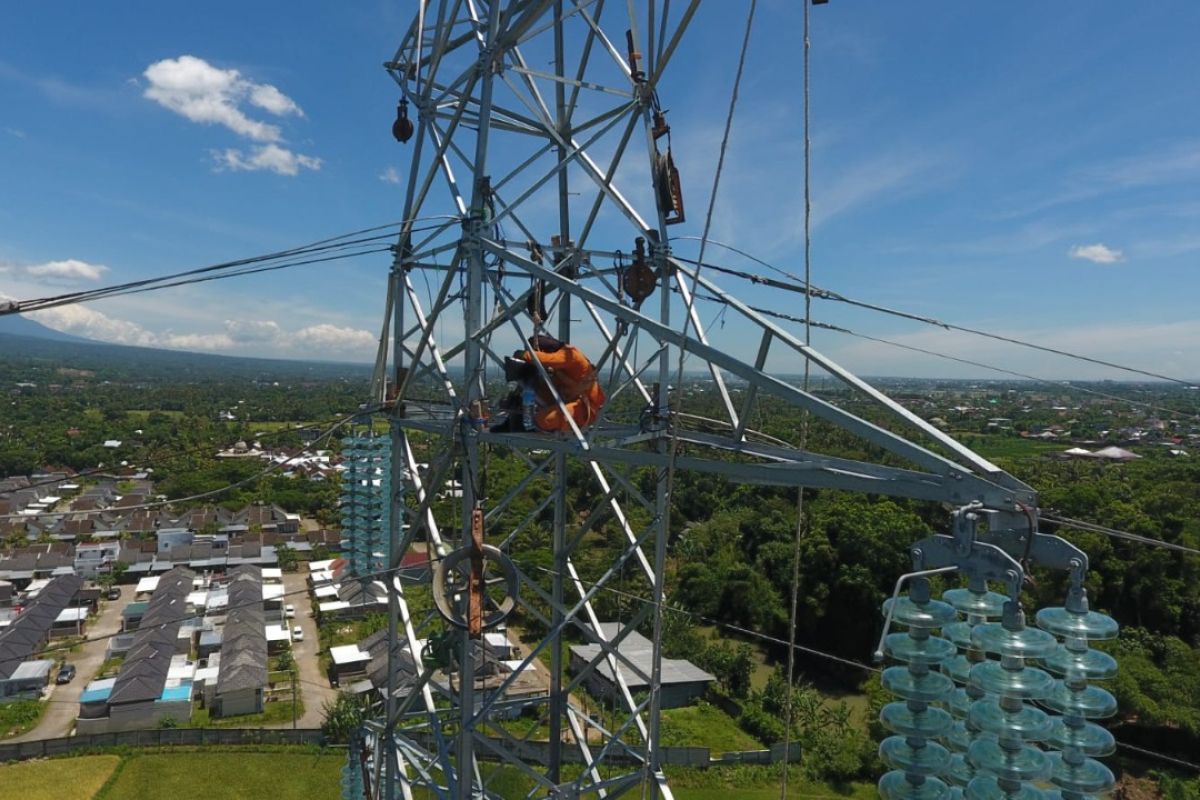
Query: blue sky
1027,168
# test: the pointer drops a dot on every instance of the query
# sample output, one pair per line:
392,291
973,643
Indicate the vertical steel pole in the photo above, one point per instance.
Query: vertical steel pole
662,494
400,263
557,699
473,371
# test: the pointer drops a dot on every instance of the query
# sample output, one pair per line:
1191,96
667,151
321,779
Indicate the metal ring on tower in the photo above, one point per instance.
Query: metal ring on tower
450,581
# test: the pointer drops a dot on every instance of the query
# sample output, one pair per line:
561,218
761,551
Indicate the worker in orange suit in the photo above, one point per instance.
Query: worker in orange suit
574,379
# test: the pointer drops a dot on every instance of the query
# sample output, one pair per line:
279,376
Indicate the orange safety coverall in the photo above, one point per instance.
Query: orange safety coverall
575,379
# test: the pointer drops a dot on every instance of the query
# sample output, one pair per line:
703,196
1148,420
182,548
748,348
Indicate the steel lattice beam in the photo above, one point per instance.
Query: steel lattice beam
525,113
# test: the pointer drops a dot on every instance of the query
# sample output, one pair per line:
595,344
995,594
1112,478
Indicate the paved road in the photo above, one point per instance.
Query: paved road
63,701
314,686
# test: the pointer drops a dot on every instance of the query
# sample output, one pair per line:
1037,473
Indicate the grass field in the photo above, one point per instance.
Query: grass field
61,779
705,725
277,711
295,774
992,445
797,789
18,717
228,776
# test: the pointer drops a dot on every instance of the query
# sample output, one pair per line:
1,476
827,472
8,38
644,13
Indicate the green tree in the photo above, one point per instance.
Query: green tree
288,561
343,715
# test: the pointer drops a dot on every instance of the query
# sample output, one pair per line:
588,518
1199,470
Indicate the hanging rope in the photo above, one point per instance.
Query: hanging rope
804,419
712,201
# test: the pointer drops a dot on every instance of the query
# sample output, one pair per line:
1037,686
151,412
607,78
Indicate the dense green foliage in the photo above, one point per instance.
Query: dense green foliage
730,556
19,716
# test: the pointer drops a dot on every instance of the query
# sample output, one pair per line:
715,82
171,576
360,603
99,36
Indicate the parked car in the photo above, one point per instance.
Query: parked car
113,593
65,673
297,634
289,611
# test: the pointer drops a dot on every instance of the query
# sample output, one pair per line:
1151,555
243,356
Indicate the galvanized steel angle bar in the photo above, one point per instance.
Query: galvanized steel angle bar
427,340
896,409
748,401
446,169
500,506
583,604
713,369
533,514
508,758
540,29
598,203
574,82
573,153
580,736
617,57
996,496
613,646
634,717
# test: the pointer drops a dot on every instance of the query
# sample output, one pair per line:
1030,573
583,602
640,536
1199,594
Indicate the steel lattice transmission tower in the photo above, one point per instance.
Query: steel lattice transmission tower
540,198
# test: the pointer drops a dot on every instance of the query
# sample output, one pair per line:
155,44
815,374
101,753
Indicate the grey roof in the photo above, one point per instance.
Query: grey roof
31,670
169,601
144,672
358,593
640,652
41,561
244,640
375,645
32,626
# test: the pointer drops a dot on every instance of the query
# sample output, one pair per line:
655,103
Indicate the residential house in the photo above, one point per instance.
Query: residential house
682,681
242,677
155,680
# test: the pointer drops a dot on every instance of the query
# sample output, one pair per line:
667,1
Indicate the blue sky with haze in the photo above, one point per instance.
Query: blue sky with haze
1030,168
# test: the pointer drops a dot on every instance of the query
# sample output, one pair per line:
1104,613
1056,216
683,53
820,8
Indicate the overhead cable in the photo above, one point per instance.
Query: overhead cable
1114,533
781,315
798,534
797,285
348,245
673,450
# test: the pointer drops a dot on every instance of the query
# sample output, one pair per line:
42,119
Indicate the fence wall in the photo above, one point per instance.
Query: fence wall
158,737
538,752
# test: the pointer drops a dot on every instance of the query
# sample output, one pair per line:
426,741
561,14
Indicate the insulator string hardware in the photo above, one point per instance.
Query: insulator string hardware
1015,703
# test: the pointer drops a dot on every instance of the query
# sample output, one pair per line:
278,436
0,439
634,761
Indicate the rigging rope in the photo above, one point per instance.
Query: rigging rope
349,246
804,417
797,285
780,315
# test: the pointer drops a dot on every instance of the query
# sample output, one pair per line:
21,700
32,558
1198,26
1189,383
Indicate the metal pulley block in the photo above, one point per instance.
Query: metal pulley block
638,280
454,585
475,587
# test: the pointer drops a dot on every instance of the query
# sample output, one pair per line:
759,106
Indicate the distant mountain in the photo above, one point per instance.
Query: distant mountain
121,362
17,325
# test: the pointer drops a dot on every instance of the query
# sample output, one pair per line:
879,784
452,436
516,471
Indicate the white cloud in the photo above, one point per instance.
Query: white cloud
390,175
1097,253
84,321
17,132
240,337
251,330
332,337
70,269
196,341
268,98
195,89
200,92
269,157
